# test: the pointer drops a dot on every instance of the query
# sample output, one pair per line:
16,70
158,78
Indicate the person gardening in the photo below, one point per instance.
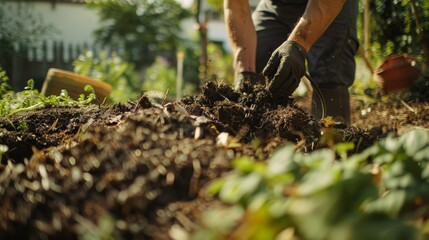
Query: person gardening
280,35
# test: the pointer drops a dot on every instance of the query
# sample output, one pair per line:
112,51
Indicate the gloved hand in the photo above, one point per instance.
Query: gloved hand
285,69
244,81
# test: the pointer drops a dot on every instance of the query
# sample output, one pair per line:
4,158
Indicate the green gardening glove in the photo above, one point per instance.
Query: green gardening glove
285,69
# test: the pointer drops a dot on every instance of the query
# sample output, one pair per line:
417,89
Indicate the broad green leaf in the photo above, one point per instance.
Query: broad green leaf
259,200
343,148
281,160
244,164
215,218
215,187
316,181
391,144
414,141
384,158
390,204
422,155
320,158
235,189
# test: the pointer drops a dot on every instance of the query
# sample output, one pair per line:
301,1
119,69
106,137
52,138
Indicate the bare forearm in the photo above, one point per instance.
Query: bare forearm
241,33
317,17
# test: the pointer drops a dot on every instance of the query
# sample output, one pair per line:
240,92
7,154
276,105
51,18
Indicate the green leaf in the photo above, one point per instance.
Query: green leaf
244,164
281,161
215,218
343,148
384,158
391,144
239,188
390,204
317,181
414,141
215,187
320,158
422,155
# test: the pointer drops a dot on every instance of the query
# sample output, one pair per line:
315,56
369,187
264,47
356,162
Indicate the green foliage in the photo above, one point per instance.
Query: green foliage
217,5
161,77
219,64
373,195
143,27
30,99
393,27
405,175
111,69
103,230
4,83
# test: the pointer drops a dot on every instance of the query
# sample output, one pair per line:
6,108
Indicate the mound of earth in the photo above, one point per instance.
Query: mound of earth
138,169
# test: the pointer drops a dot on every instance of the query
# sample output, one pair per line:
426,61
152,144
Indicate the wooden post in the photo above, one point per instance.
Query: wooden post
202,29
366,27
179,75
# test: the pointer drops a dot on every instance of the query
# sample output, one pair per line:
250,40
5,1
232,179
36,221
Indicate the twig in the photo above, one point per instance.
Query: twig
413,110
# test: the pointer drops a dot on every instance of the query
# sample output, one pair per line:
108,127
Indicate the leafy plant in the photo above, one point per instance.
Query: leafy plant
405,172
161,78
143,28
373,195
112,69
4,83
394,27
30,99
219,65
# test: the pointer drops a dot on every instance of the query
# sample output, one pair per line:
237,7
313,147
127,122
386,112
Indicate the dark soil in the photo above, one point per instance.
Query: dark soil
141,167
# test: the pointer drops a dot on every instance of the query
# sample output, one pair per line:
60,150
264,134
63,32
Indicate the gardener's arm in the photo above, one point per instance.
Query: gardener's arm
242,35
287,64
317,17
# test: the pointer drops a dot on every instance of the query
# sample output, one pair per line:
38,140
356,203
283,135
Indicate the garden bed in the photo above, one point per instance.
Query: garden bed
139,170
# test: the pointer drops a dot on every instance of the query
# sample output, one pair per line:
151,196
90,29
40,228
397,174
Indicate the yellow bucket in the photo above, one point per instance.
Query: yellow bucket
57,80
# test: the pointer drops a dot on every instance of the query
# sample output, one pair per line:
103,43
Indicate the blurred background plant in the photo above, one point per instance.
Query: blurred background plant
112,69
160,80
398,26
144,28
219,65
387,28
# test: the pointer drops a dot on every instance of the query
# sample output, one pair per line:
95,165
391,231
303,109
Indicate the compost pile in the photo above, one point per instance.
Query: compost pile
135,170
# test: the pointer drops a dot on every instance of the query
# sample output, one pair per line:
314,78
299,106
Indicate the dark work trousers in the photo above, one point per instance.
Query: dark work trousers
331,62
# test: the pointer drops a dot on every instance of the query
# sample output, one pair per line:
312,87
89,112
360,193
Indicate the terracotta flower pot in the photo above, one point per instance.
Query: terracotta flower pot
397,73
57,80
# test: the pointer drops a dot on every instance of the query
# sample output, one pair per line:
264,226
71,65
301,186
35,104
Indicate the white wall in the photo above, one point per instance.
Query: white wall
73,23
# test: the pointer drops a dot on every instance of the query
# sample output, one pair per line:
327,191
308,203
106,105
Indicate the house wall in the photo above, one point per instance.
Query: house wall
73,23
